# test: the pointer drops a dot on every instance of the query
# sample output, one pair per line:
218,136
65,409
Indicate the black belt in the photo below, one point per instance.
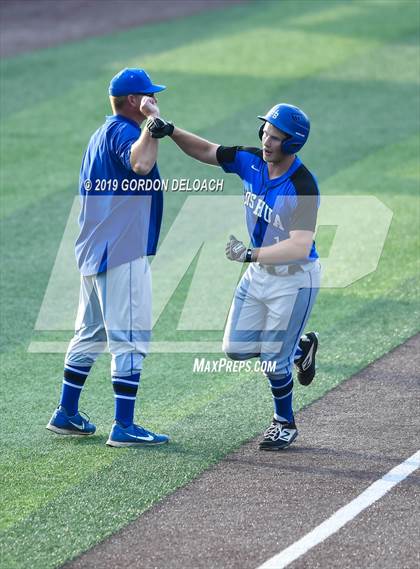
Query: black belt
291,270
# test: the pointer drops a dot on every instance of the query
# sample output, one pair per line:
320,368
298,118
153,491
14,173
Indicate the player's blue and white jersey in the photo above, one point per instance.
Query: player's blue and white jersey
119,220
274,207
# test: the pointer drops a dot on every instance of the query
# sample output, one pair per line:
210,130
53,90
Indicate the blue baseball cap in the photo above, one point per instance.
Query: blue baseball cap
130,81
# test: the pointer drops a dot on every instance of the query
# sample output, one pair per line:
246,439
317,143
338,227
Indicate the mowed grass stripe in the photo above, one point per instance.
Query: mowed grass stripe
113,495
321,96
356,174
62,467
341,335
30,133
356,326
323,136
380,174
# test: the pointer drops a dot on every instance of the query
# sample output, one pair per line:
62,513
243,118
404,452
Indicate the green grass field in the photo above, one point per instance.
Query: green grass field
353,66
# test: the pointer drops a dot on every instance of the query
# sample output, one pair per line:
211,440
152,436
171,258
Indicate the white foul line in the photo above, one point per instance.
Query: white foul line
345,514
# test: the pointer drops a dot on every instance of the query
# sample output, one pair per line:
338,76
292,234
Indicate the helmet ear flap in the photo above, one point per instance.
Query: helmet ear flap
261,130
287,146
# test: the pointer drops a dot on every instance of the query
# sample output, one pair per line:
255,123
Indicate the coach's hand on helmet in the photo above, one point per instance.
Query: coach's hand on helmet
148,107
236,250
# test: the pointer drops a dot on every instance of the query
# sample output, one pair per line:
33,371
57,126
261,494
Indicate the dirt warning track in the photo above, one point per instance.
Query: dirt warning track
254,504
27,25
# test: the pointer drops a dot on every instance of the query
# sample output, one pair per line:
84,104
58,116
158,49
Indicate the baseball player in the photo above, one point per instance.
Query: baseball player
275,296
119,228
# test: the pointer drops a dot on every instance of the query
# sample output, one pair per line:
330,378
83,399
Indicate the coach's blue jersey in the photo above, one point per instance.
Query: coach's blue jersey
274,207
119,220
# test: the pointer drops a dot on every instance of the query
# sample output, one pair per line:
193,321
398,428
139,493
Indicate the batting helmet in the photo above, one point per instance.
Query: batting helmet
290,120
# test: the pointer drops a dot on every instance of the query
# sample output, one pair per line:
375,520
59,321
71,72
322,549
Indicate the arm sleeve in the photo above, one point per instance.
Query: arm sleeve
306,205
305,213
229,159
121,144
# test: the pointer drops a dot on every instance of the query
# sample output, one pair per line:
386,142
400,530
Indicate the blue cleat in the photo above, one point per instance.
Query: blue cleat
134,436
64,424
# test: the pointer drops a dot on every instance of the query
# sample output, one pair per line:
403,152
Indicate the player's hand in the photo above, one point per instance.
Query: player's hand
235,250
159,128
148,107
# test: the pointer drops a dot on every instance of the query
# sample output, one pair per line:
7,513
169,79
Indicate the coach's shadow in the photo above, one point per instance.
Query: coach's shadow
88,440
173,447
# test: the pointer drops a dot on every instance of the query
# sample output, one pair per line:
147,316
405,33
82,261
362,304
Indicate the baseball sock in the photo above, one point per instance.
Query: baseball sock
73,382
125,391
282,390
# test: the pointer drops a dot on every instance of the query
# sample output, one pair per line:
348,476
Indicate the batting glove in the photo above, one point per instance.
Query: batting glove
236,251
159,128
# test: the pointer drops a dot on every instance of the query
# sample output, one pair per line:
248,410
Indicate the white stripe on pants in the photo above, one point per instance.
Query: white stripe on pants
115,307
268,315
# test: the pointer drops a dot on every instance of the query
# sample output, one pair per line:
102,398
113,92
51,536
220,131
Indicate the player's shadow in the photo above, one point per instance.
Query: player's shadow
311,462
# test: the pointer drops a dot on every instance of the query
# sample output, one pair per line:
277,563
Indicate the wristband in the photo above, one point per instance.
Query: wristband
248,256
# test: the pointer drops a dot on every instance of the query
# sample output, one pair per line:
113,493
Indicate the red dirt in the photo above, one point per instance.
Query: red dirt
27,25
